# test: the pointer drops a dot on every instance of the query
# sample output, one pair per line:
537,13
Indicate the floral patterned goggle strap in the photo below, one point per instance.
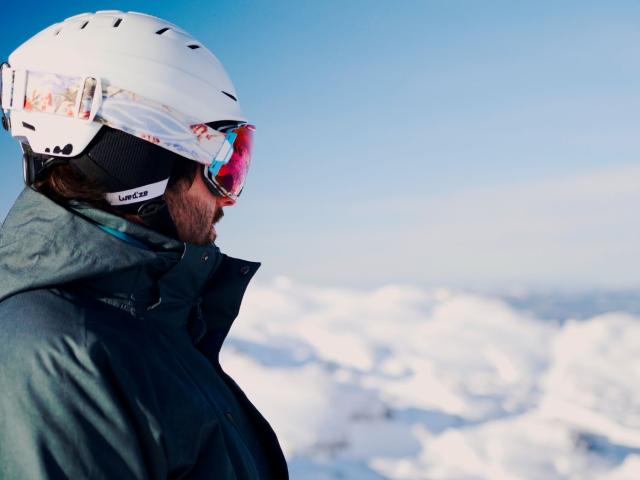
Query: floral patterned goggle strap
86,98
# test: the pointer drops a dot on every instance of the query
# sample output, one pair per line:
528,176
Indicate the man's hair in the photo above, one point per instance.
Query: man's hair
62,183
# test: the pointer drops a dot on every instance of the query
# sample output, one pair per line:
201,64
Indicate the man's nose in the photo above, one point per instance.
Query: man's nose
225,201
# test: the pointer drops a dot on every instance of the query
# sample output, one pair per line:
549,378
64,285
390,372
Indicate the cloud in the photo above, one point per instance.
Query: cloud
414,383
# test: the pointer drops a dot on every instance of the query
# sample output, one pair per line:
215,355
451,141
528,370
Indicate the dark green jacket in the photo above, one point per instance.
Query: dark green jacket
109,354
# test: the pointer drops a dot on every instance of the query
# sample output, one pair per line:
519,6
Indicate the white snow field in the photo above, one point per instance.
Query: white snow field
407,383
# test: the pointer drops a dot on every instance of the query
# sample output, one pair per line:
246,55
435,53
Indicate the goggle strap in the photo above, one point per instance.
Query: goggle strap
87,99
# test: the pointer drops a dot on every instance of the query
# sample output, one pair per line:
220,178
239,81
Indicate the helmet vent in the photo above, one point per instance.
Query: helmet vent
230,96
162,30
29,126
193,47
117,23
84,25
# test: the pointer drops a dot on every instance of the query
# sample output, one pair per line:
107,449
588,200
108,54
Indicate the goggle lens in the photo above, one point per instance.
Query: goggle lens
228,176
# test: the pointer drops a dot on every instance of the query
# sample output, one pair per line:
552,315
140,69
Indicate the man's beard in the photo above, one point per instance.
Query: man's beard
192,216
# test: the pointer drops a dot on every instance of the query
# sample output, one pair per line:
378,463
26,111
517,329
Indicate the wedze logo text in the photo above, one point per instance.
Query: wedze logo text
133,196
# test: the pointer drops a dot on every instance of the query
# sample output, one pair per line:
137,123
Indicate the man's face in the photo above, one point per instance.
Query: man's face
195,210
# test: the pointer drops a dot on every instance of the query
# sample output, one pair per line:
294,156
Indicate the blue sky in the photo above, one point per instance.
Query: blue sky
453,143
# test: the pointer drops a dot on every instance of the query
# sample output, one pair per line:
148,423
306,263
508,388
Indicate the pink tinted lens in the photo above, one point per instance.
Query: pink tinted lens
232,175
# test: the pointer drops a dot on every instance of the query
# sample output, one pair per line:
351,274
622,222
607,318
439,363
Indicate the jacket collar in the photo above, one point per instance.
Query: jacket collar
43,244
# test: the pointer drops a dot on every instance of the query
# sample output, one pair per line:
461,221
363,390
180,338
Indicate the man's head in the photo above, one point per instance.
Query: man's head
125,99
193,208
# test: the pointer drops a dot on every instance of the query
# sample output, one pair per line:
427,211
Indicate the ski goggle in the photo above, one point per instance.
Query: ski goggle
228,170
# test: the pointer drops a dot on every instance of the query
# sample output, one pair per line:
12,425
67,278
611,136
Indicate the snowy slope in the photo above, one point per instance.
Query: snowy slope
405,383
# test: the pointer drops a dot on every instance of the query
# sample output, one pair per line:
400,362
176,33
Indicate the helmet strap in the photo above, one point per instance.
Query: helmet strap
35,164
155,214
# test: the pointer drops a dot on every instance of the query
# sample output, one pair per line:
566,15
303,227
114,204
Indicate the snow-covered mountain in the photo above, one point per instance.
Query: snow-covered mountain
408,383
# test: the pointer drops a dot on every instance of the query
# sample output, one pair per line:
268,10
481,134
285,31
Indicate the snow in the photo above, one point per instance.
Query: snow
408,383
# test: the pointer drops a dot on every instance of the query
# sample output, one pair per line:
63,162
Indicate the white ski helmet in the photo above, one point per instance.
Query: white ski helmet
129,71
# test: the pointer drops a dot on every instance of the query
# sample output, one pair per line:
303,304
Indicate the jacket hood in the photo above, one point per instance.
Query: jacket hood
44,244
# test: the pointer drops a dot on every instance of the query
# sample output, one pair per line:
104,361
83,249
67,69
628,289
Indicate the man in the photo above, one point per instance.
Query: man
114,300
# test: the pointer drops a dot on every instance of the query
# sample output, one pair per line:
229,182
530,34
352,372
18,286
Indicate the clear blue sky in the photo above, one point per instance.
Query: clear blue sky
431,142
